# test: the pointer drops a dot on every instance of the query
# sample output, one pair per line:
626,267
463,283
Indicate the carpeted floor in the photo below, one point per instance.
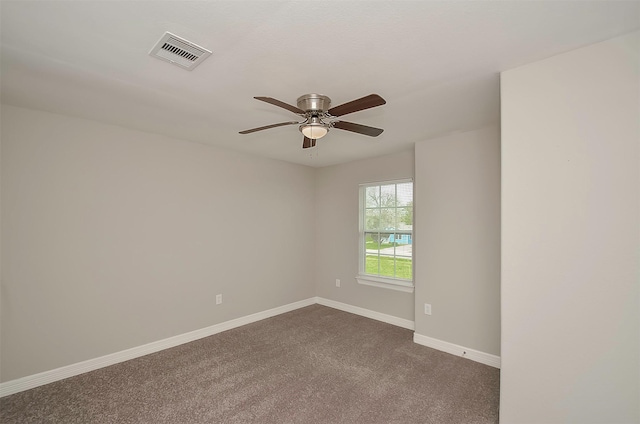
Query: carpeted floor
312,365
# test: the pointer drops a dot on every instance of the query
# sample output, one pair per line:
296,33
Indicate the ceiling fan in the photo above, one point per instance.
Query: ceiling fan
319,117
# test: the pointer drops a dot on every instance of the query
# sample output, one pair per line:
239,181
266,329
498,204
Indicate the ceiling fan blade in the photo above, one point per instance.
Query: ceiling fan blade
358,128
283,105
308,142
372,100
268,126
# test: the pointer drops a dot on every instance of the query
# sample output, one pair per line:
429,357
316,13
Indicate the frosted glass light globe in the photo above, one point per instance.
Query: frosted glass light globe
314,131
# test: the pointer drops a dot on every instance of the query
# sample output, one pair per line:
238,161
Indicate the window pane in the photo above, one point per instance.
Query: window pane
403,247
372,197
372,242
387,266
404,219
387,220
405,194
388,195
396,219
372,219
371,264
403,268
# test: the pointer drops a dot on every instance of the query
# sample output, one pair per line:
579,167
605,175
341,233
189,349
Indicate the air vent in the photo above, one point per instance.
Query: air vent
179,51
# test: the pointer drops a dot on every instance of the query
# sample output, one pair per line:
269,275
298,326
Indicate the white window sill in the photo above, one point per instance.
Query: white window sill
385,283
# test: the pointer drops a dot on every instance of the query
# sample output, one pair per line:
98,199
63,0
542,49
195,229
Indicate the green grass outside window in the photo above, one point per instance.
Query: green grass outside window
403,268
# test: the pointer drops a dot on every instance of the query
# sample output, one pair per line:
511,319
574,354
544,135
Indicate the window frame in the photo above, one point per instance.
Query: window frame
398,284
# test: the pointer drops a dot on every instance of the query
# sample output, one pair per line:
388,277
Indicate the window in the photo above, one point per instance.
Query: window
386,235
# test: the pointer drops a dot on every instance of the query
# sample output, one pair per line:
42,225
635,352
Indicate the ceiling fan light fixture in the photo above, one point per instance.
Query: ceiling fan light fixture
314,132
314,108
314,129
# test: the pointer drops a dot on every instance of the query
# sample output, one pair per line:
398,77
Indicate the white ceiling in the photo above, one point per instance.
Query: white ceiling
436,63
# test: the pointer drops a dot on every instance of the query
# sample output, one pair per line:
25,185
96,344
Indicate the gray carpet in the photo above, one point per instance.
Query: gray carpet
312,365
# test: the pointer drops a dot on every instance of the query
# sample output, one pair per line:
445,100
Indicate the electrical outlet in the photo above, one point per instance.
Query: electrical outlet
218,299
337,283
427,308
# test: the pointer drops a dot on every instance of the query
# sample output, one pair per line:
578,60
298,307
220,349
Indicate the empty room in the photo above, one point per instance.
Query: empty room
320,212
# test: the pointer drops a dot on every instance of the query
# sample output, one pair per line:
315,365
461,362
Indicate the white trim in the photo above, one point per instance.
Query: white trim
368,313
454,349
386,283
46,377
31,381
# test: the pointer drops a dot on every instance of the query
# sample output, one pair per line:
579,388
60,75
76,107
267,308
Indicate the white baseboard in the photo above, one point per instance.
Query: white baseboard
454,349
389,319
46,377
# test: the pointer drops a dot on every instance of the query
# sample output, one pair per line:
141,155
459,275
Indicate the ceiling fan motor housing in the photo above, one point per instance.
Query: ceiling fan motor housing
314,103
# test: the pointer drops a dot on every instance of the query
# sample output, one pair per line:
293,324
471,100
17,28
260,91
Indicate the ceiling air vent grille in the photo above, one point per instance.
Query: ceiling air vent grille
179,51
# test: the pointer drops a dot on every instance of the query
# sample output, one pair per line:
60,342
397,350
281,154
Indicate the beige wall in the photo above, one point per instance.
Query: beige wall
336,233
113,238
570,232
457,239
